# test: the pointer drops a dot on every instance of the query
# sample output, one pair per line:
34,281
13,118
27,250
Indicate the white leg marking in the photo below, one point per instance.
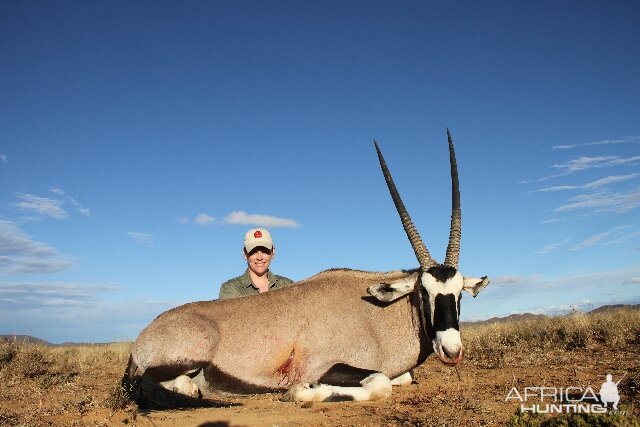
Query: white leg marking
375,386
378,385
183,385
404,379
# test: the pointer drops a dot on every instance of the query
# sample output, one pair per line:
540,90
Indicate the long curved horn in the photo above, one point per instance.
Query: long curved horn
419,248
453,249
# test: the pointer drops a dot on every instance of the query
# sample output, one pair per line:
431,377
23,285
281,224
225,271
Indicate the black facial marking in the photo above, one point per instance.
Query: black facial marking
445,313
442,273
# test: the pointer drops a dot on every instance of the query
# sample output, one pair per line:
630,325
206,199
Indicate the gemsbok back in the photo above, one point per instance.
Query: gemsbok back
339,335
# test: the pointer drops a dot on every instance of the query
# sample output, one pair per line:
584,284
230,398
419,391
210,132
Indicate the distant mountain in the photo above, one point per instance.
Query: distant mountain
509,318
28,339
82,344
25,339
530,316
606,308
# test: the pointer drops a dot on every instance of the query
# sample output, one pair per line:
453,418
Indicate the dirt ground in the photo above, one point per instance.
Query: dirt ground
442,396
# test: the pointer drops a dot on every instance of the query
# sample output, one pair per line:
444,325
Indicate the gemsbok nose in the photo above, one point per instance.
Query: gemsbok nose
454,354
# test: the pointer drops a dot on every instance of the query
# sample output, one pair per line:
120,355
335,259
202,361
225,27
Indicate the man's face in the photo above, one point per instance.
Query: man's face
259,259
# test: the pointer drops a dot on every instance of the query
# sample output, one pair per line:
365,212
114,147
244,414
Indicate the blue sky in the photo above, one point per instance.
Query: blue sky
140,140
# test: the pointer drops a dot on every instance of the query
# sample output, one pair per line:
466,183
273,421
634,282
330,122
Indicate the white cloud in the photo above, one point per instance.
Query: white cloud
550,221
558,188
633,281
80,312
625,237
507,280
81,209
553,246
42,294
628,139
4,158
204,219
41,205
583,163
562,309
540,292
594,240
141,238
594,184
604,201
549,248
610,180
591,241
568,281
240,217
19,254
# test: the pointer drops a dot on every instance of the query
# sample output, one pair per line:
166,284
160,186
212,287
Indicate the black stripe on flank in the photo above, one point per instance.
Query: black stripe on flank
168,372
149,394
344,375
219,381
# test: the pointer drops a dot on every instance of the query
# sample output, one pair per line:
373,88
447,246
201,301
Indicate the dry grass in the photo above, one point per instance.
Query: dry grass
517,343
32,372
44,363
575,420
574,337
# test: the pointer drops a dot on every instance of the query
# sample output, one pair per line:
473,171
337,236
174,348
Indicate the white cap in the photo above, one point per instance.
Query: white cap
257,237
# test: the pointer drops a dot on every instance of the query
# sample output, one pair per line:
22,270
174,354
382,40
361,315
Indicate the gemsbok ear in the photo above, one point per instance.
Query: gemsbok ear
474,285
387,292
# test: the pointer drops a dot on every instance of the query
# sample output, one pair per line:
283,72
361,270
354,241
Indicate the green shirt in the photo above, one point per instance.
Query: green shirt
241,286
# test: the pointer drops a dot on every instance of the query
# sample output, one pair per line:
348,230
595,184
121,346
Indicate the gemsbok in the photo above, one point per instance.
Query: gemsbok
339,335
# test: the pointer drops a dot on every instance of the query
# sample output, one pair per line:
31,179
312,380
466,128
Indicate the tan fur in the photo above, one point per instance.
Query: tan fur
271,341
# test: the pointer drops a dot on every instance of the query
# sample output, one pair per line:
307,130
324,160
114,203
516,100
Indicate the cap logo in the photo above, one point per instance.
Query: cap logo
257,234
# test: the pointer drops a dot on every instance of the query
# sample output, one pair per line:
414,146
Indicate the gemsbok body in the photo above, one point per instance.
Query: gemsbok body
339,335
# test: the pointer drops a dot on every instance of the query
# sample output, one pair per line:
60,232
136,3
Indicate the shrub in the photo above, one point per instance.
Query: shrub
117,399
8,351
32,361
